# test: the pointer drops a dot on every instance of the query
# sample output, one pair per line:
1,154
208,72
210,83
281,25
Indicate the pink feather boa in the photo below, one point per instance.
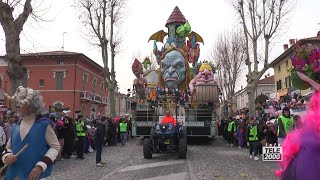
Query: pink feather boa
292,143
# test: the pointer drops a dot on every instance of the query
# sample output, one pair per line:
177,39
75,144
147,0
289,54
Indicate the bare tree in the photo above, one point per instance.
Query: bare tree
102,17
154,65
12,27
229,55
137,55
220,83
260,20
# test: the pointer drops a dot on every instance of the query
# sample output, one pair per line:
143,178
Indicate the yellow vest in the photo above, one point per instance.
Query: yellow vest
80,130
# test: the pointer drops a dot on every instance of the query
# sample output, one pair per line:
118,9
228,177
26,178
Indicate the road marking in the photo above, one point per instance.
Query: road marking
152,165
178,176
115,171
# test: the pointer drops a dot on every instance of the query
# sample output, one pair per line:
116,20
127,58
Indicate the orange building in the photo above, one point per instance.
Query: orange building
65,79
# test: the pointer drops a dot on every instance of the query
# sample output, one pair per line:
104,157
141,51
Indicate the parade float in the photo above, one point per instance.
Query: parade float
178,72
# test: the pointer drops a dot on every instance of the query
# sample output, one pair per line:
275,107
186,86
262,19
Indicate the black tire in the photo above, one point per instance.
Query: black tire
183,145
147,148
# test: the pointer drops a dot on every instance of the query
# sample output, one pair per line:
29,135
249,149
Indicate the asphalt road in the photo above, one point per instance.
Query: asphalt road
204,161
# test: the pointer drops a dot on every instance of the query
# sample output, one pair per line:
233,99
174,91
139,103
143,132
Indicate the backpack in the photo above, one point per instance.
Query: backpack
2,137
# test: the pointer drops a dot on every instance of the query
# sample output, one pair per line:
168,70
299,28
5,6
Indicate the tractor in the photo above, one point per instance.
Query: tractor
166,138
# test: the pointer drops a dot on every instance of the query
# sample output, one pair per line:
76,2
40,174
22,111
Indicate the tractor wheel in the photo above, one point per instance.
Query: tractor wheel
147,148
183,145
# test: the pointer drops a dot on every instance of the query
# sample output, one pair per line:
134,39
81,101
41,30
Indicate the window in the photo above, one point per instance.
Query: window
83,110
41,82
93,112
101,89
94,85
279,85
288,82
287,63
0,82
60,62
59,80
279,68
84,81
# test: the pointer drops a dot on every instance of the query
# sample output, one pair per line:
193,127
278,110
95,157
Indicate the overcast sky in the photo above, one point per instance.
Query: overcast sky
208,18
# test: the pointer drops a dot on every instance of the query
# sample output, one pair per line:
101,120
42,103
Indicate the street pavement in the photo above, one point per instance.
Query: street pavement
204,161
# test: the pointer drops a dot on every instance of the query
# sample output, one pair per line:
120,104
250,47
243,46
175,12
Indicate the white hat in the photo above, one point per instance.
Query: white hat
66,111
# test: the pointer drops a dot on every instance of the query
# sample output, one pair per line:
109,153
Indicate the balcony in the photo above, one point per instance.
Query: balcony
96,99
85,96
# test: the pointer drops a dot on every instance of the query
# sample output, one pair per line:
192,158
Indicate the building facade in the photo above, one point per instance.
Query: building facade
66,80
122,104
265,86
282,67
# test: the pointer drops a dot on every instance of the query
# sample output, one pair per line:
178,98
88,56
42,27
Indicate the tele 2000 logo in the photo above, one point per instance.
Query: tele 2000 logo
272,153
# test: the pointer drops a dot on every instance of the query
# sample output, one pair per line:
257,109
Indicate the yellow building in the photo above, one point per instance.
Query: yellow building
282,66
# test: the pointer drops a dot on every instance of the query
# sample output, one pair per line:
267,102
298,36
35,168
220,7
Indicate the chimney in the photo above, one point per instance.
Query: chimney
241,87
268,74
265,76
292,42
285,47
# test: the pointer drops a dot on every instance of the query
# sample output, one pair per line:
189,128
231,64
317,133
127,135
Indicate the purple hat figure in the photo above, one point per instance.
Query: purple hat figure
301,148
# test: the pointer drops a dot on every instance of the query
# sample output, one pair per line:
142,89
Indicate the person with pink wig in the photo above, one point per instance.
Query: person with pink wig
301,148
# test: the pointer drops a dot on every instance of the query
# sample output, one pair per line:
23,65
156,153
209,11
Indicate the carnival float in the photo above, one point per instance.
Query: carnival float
178,69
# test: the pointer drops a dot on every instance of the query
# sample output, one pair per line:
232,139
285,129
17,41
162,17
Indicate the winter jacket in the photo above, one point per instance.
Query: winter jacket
100,132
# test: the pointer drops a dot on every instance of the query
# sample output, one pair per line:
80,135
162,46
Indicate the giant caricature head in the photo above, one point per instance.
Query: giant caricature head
205,73
173,69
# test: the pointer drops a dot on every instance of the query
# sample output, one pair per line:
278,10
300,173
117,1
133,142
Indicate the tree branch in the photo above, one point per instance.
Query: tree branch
22,18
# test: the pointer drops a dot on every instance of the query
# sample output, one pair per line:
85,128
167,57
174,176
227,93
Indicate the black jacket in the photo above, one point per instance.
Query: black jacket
112,129
100,132
271,138
61,131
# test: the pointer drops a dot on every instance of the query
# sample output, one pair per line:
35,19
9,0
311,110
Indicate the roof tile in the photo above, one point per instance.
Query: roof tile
51,53
267,80
176,17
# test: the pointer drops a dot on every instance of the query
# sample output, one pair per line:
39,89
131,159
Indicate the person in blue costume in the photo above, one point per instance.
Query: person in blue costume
36,130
